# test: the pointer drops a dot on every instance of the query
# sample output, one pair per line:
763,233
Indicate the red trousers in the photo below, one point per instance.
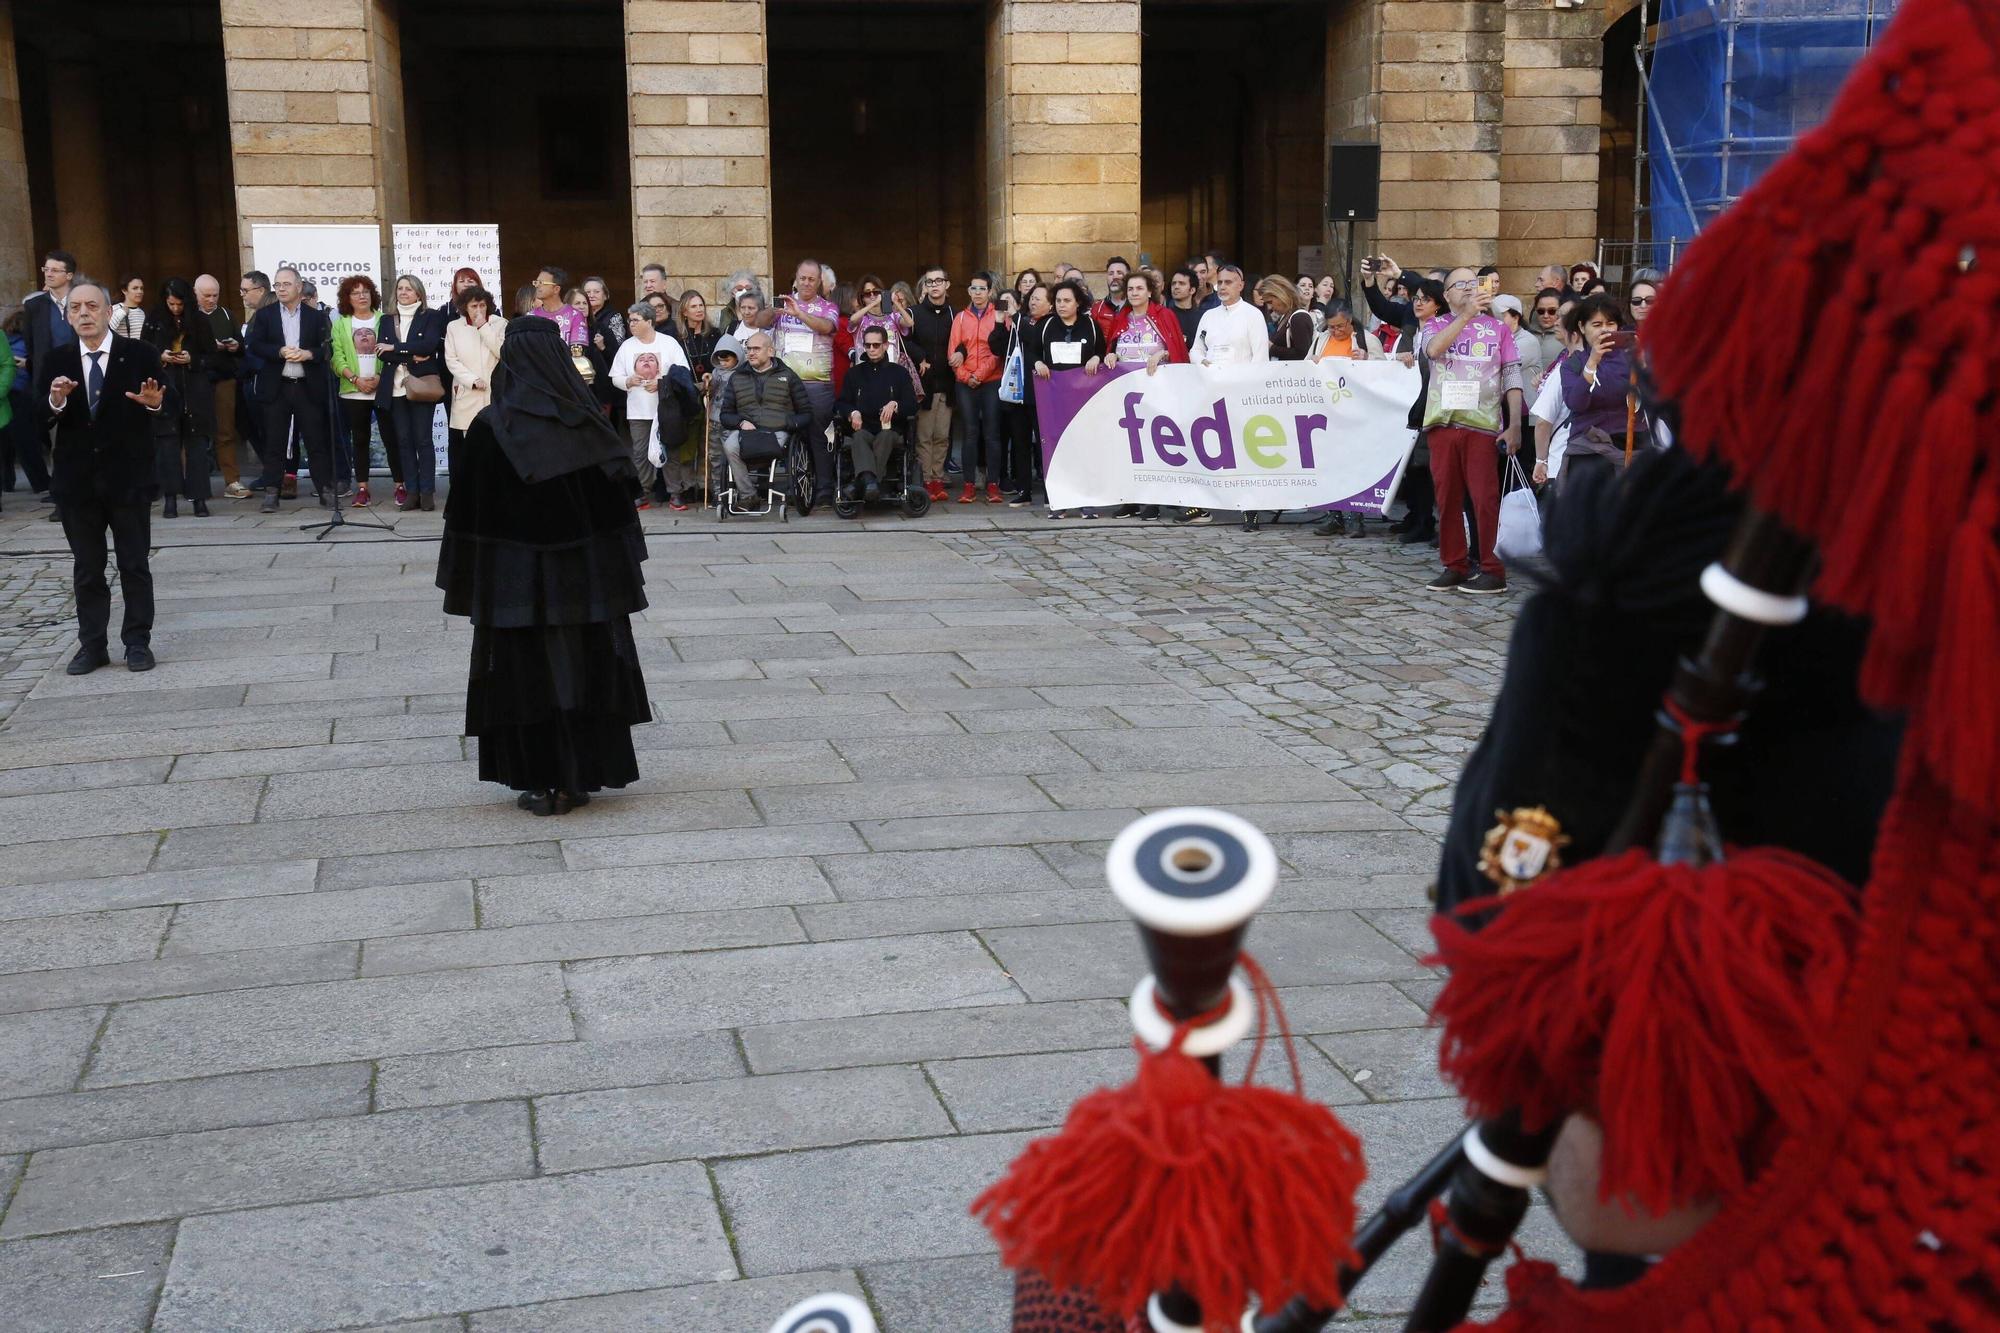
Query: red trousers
1463,460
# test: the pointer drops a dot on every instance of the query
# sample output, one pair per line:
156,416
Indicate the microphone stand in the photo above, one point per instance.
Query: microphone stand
320,531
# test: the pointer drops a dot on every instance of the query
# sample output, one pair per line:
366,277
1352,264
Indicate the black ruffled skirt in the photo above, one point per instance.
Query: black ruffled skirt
553,706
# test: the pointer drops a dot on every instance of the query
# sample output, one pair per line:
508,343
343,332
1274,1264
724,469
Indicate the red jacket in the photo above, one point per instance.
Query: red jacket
969,333
1163,323
1106,315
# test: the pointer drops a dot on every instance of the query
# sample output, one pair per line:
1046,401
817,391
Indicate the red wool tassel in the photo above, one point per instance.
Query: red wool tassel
1684,1007
1179,1179
1960,722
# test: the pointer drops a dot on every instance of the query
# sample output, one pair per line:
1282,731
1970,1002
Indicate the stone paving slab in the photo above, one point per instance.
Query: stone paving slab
45,1052
735,1117
192,975
821,1043
83,940
526,1071
154,889
282,1026
683,932
426,1252
177,1175
748,1306
313,918
625,997
646,890
110,1114
86,1282
838,1206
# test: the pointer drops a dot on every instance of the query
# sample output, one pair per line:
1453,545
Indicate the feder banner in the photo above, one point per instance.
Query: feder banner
431,254
1266,435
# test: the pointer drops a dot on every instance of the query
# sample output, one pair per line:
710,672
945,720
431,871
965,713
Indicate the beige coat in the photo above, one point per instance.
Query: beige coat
470,354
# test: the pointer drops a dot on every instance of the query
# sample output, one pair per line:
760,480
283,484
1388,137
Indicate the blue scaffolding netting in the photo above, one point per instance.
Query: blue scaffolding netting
1731,85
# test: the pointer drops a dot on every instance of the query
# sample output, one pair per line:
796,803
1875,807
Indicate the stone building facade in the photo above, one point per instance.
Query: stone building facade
1074,145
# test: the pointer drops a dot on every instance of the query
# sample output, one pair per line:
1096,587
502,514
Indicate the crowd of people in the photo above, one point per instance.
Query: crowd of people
872,369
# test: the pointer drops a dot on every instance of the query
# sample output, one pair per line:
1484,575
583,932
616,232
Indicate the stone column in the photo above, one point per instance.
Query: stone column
315,113
1440,131
1062,180
700,138
1549,134
18,270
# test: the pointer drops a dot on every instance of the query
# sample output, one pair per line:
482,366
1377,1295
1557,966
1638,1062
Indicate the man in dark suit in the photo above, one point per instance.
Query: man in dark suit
46,314
45,326
99,394
293,385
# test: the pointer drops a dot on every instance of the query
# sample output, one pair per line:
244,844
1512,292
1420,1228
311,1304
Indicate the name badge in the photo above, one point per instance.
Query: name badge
797,344
1065,354
1461,395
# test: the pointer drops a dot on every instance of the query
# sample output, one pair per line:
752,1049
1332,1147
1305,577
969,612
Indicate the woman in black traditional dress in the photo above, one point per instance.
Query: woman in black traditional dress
542,550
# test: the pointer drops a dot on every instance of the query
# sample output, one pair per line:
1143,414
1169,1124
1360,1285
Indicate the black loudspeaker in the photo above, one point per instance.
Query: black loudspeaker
1353,181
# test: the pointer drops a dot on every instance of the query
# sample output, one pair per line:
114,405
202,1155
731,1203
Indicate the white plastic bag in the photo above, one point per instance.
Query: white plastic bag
1520,536
656,452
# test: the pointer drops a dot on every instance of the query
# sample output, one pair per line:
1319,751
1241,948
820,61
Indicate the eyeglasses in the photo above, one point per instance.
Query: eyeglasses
934,282
1642,300
874,342
1463,286
1548,310
868,292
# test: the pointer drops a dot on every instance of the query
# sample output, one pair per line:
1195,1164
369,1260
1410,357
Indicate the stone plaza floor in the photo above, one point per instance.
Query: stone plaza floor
304,1028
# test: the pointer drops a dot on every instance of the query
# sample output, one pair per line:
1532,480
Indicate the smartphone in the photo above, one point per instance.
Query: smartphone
1624,340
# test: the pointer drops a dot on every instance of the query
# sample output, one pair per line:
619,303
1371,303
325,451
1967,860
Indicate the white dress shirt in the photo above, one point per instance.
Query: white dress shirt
1231,335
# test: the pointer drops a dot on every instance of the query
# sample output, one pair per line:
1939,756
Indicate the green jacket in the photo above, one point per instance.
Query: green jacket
346,364
6,385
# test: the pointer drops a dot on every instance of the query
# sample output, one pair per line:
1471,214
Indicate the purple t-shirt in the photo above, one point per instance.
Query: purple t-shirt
809,354
1466,380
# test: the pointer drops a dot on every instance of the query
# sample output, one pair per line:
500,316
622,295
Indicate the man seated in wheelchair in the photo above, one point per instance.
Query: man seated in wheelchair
876,407
764,404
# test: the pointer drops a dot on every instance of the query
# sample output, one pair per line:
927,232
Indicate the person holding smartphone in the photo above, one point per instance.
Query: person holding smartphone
803,324
1597,388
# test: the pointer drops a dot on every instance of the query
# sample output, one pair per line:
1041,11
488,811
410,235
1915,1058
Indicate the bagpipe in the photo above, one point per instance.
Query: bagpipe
1192,1231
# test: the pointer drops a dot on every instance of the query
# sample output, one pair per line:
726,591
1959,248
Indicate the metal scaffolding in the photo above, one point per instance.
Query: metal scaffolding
1726,87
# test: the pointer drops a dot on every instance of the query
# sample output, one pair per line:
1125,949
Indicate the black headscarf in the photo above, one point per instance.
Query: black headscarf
543,413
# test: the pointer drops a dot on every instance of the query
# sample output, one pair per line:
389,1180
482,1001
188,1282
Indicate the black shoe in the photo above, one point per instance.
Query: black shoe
1445,582
168,508
871,489
1484,583
429,501
201,509
1189,516
138,658
325,499
1333,525
270,505
538,803
86,661
1411,536
566,801
1147,513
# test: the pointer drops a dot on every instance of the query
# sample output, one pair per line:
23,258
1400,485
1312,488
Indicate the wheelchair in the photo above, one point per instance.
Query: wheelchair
901,482
783,473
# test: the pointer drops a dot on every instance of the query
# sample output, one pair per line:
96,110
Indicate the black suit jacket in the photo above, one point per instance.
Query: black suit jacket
266,339
46,330
420,353
108,458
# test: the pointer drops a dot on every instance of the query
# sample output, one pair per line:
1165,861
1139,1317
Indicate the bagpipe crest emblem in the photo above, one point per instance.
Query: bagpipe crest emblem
1525,845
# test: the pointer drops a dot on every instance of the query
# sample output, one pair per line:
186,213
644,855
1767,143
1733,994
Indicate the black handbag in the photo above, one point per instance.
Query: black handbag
759,446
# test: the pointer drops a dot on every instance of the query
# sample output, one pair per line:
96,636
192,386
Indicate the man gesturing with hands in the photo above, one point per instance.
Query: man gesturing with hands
99,394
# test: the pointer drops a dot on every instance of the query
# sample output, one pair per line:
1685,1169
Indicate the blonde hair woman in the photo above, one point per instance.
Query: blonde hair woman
1291,324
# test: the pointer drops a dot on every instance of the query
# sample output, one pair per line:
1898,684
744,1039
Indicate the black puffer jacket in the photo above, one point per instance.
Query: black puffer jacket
771,399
